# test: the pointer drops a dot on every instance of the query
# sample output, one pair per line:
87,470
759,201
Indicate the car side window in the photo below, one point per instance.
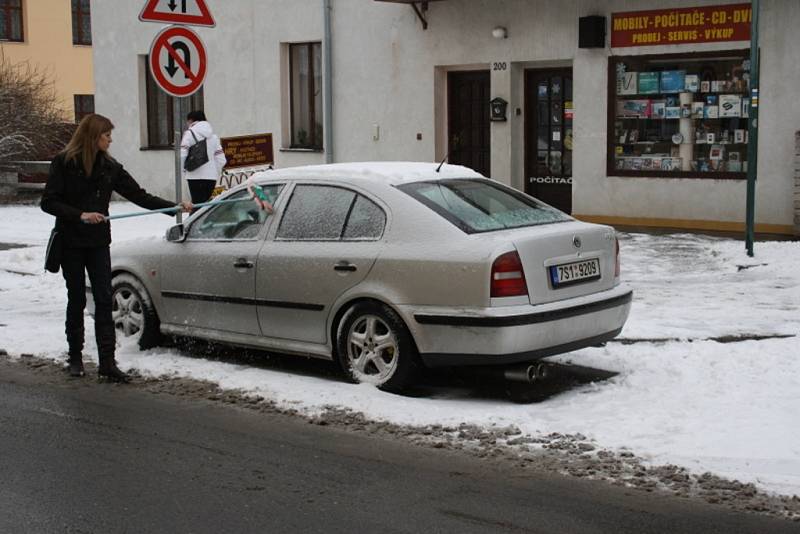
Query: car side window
316,212
366,220
234,220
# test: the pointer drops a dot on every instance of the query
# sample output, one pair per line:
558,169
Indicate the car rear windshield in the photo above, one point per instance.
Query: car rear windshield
476,205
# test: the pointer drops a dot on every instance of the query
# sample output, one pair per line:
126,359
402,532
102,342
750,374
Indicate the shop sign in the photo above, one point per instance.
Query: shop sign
551,180
710,24
248,150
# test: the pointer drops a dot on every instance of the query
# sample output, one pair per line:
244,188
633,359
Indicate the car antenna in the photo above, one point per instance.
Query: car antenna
442,163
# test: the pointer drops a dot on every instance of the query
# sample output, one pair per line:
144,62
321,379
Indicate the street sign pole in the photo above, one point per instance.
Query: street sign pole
177,121
177,50
752,134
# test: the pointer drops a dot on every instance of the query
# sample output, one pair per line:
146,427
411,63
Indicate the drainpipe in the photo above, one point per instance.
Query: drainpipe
327,119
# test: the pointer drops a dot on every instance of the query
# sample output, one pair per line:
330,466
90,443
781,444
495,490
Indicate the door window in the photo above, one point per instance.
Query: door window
326,213
234,220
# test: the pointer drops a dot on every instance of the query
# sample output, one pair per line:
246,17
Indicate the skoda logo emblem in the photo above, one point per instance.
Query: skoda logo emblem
576,241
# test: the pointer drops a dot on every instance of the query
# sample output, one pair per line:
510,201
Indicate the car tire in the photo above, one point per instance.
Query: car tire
374,346
133,312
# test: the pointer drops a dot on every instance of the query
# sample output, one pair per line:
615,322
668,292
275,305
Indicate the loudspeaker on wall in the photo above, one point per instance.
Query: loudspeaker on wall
592,32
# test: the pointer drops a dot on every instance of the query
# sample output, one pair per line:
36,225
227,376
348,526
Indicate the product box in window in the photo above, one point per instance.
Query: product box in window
745,107
697,110
658,109
738,136
627,83
705,86
711,112
649,83
633,108
700,136
673,112
692,83
730,106
673,81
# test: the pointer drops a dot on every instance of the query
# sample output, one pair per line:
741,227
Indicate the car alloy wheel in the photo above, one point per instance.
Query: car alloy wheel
133,313
127,312
373,346
372,350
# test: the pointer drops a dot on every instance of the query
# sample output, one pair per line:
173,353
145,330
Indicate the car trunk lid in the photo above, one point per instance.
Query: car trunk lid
566,260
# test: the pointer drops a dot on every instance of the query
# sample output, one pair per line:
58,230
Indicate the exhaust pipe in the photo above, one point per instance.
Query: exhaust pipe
530,373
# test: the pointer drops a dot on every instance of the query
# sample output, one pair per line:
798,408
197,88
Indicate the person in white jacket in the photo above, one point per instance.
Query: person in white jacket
203,179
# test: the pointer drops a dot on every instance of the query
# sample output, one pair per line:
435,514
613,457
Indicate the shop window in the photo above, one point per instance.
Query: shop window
305,78
81,23
11,20
160,124
679,116
84,105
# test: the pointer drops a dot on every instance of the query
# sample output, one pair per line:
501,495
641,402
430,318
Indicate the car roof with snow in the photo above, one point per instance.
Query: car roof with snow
389,172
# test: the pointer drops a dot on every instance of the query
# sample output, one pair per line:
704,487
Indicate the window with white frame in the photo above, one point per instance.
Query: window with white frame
305,90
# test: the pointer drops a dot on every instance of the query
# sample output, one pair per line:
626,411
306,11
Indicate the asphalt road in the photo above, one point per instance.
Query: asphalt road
80,456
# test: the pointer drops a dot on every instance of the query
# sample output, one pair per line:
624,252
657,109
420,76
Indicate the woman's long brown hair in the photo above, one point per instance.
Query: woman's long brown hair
83,144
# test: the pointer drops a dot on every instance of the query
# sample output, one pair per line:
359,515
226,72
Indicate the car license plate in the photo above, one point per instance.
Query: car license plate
571,273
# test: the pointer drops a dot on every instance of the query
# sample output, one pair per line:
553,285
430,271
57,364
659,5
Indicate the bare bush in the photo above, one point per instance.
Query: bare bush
31,118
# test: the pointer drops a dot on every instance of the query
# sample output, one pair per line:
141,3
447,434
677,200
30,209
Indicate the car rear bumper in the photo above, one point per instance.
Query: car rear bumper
504,335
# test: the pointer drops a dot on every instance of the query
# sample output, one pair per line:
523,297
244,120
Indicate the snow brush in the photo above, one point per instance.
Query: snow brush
256,194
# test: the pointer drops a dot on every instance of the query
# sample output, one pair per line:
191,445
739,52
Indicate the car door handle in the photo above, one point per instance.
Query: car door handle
243,263
344,266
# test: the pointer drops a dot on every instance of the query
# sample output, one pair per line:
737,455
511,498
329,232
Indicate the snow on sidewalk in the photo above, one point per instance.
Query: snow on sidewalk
682,395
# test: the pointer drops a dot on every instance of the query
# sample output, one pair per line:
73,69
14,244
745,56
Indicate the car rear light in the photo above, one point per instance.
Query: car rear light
616,258
508,278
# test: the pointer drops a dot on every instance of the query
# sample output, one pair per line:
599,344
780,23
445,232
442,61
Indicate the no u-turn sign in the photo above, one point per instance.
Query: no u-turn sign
178,61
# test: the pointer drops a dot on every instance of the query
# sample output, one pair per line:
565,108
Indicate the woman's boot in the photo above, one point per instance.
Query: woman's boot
108,369
75,364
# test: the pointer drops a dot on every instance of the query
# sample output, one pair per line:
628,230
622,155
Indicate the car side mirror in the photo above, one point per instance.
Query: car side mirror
175,233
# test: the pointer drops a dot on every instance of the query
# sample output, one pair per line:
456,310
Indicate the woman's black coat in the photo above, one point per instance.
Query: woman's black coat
69,192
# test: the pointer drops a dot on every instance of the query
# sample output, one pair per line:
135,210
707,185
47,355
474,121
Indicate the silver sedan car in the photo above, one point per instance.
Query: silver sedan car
383,267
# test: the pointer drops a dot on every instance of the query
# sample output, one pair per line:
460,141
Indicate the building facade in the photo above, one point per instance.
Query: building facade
643,125
54,36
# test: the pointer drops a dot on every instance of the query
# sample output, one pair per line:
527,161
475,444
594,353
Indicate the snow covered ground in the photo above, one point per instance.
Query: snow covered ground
682,396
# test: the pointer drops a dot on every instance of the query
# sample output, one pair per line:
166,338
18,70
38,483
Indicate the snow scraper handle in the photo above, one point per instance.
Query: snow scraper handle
256,193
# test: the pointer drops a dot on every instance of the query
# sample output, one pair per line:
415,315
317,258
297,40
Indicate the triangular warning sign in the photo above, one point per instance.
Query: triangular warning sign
190,12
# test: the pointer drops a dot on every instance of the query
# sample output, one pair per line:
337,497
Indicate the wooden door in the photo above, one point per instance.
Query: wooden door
468,120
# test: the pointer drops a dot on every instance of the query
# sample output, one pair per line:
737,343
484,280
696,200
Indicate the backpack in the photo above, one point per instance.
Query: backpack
198,154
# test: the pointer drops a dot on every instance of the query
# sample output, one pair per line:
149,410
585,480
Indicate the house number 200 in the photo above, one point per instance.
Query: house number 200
499,65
